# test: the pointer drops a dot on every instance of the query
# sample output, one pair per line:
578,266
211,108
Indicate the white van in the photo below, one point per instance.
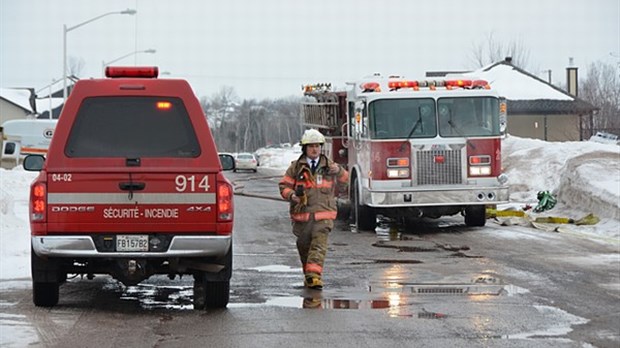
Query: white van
25,136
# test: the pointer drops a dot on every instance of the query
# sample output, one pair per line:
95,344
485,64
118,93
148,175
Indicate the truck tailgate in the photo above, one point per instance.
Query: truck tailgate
131,203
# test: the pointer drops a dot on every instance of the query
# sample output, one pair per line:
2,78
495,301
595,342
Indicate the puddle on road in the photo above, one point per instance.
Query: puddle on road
276,269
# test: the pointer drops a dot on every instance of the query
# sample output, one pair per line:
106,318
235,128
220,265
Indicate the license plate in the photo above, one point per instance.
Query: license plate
132,242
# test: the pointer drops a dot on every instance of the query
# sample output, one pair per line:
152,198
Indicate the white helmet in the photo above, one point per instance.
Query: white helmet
312,136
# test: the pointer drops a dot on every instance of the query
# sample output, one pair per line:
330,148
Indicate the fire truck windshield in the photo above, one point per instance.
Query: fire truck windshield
402,118
468,116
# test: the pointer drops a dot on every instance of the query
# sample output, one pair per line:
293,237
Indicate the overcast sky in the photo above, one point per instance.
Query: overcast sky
269,48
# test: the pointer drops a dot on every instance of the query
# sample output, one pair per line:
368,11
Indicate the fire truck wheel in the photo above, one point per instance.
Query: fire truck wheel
475,215
365,218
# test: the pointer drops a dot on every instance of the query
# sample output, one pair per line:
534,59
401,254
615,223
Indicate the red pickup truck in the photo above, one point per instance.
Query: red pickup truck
132,186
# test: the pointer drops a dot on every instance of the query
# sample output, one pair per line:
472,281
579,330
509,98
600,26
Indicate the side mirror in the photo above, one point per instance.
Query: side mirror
227,161
359,106
34,163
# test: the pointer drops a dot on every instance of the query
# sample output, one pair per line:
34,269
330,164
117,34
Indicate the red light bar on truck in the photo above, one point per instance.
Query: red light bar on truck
371,87
132,71
402,84
415,85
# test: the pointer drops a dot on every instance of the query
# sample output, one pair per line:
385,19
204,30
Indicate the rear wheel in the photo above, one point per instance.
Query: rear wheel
46,280
217,294
212,290
45,294
475,215
365,218
199,291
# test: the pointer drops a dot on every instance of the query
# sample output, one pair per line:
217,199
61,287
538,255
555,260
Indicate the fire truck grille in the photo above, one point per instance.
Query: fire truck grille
439,167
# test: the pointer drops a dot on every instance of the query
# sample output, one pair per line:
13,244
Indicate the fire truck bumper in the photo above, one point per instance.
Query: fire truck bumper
436,197
84,246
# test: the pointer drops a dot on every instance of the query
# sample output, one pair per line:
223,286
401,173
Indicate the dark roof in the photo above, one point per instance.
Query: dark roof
55,113
443,73
549,107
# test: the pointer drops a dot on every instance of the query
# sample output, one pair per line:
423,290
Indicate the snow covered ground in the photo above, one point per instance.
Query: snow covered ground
585,176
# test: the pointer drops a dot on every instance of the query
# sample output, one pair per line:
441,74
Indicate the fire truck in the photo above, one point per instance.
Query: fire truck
413,148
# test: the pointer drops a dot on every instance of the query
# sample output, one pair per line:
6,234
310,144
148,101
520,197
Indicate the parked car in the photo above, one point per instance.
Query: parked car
604,138
246,161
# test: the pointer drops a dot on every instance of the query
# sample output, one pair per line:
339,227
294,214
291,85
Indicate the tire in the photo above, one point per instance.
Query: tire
365,218
45,294
199,291
46,280
475,215
217,294
343,212
217,285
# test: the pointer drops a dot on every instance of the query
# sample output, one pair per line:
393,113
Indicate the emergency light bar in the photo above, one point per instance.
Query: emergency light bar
402,84
371,87
396,84
131,71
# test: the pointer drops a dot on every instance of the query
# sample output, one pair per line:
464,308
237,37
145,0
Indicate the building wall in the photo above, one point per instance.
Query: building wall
558,127
8,111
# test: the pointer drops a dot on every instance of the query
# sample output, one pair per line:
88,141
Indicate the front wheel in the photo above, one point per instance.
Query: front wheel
475,215
365,217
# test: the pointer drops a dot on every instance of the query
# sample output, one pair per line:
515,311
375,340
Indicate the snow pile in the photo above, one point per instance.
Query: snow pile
585,176
14,228
278,157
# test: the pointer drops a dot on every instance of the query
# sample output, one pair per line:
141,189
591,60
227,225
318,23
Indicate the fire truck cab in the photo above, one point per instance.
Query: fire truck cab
414,148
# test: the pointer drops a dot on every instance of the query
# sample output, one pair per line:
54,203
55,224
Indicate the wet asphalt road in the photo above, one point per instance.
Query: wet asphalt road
434,283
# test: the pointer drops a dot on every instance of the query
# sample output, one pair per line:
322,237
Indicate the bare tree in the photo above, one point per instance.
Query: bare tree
251,124
601,88
221,111
494,50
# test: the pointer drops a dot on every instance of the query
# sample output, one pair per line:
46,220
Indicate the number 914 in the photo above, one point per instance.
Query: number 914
191,183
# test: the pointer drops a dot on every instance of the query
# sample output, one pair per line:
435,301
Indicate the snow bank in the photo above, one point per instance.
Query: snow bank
583,175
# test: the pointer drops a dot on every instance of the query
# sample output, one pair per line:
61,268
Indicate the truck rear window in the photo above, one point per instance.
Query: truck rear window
132,127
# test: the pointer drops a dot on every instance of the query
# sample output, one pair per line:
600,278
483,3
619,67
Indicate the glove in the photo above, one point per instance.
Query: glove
303,199
546,201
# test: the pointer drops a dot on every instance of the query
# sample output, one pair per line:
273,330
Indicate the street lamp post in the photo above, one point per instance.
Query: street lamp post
104,64
65,30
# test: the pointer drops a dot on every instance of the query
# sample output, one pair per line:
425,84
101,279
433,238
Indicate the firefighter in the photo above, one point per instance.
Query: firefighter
309,185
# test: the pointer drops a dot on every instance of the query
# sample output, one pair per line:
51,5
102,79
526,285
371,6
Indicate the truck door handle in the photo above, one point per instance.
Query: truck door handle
131,186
